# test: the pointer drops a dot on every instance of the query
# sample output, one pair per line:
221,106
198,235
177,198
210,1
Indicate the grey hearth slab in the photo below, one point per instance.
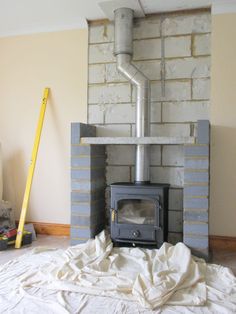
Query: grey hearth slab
137,140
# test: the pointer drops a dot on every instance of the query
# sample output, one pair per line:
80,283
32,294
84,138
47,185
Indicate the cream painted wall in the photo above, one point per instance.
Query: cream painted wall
27,65
223,120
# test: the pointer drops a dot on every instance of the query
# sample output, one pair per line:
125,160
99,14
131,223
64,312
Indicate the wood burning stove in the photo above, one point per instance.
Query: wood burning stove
139,214
139,211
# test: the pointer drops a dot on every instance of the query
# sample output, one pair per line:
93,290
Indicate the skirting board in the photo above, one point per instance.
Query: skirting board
222,243
51,228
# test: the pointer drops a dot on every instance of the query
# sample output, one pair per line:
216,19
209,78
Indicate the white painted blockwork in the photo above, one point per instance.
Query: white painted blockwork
187,24
177,102
109,94
182,68
188,111
173,155
202,44
201,88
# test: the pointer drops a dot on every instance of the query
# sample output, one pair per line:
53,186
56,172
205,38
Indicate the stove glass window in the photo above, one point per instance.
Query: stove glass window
136,211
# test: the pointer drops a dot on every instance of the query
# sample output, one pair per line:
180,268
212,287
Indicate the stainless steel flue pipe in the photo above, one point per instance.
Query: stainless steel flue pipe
124,51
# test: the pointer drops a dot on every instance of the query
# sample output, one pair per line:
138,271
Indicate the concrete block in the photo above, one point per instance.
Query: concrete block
75,133
196,242
196,191
81,209
114,130
170,129
147,49
186,24
80,220
121,154
148,27
185,111
171,175
155,158
175,221
80,185
97,150
77,196
196,203
87,161
87,174
173,91
96,73
101,53
87,208
196,216
201,88
101,33
196,163
176,199
88,196
117,174
89,150
85,185
76,241
172,155
120,113
79,130
203,132
196,150
202,45
80,232
133,130
196,177
80,150
96,114
150,69
202,253
112,74
108,94
195,228
174,237
156,112
177,46
187,68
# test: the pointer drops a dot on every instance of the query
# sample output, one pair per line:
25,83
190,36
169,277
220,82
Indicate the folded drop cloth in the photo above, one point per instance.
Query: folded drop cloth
151,277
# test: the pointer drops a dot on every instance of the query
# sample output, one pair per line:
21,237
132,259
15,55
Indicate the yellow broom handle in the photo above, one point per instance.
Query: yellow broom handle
31,170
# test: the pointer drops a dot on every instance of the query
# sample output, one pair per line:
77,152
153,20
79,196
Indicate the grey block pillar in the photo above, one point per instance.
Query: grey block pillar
88,164
196,192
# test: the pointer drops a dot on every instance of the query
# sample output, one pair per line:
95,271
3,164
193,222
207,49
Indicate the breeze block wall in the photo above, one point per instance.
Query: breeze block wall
173,51
196,192
87,185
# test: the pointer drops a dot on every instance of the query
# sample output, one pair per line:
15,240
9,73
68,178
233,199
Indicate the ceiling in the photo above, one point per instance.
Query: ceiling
33,16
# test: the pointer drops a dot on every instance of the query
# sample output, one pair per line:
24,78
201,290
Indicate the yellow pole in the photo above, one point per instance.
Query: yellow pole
31,170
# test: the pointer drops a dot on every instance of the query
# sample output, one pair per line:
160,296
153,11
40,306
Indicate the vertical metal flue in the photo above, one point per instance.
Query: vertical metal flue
124,51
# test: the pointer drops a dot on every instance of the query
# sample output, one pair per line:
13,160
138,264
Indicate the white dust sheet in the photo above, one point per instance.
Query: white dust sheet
96,278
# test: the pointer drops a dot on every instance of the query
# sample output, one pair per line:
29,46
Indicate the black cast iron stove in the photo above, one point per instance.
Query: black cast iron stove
139,211
139,214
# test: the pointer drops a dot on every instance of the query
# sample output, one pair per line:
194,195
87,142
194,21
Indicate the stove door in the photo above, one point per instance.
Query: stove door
136,218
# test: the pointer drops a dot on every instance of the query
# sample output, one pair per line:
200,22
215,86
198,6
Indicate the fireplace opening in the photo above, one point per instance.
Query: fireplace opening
139,214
